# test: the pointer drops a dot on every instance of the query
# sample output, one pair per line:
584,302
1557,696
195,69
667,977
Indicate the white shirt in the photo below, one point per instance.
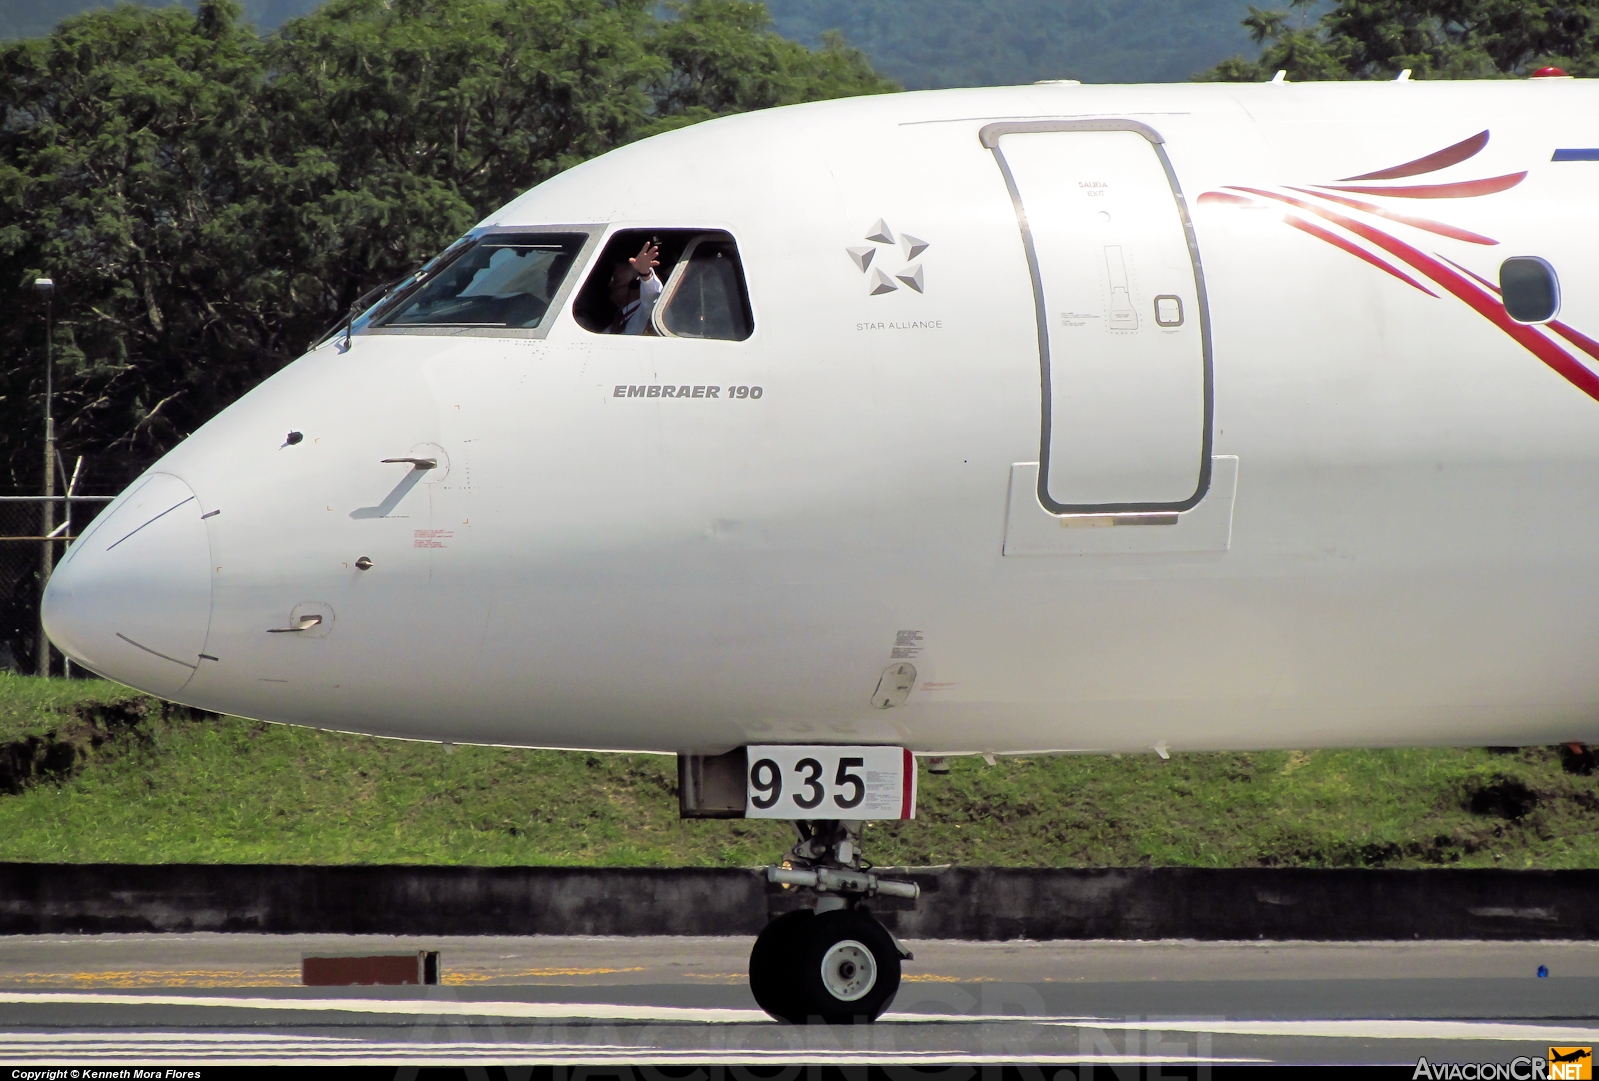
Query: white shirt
636,316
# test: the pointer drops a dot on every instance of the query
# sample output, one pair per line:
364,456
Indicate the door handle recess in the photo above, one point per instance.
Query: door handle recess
414,463
304,623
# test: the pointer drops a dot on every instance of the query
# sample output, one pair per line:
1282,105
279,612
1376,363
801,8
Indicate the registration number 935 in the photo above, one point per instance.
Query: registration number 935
823,781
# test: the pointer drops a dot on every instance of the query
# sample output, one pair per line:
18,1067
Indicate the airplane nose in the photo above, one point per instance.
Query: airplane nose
131,599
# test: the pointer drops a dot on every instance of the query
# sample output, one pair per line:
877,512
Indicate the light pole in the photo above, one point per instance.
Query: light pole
46,288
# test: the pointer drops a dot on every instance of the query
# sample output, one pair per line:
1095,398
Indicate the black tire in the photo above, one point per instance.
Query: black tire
772,962
813,946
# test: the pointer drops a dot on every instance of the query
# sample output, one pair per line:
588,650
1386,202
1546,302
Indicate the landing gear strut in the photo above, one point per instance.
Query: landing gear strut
833,963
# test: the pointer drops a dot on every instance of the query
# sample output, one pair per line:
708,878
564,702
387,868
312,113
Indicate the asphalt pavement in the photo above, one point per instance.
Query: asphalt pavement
215,998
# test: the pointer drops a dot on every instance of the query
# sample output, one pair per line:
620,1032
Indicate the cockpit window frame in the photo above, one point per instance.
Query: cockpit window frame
592,232
680,271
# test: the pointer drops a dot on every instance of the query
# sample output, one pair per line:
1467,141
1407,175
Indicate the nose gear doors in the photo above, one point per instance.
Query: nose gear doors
1123,330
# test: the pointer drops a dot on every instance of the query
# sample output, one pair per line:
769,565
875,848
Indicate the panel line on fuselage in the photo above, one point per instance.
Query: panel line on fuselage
990,136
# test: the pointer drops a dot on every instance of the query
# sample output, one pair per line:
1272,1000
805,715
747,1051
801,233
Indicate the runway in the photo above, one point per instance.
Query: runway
174,999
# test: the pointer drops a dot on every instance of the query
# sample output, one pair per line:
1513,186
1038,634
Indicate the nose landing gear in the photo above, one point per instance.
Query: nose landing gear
834,963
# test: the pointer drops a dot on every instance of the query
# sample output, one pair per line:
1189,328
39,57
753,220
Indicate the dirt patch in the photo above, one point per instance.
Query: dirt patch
1577,758
1504,797
88,728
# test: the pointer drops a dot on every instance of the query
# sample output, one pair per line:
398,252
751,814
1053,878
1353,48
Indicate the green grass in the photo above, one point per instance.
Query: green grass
154,784
30,706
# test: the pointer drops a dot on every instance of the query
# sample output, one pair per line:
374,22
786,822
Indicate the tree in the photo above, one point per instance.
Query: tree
130,166
1435,39
399,124
723,58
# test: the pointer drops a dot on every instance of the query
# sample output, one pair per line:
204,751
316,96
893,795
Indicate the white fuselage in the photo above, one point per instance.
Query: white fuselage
1396,543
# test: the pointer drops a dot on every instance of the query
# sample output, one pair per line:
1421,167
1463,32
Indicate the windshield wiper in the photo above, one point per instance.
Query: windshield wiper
367,300
374,296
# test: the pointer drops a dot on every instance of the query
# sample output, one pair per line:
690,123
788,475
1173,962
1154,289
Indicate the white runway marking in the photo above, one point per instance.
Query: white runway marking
242,1049
1376,1029
424,1009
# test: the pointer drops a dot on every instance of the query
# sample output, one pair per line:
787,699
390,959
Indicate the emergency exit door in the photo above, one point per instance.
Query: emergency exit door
1123,331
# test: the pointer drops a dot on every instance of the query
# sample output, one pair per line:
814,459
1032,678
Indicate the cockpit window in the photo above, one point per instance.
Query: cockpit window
501,280
705,296
695,290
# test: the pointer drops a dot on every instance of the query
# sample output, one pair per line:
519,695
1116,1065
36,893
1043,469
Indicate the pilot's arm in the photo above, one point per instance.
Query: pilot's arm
638,316
638,273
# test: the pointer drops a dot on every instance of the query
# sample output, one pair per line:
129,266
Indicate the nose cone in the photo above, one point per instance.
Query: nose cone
132,598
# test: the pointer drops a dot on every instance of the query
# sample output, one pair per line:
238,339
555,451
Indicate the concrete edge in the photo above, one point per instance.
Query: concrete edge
970,903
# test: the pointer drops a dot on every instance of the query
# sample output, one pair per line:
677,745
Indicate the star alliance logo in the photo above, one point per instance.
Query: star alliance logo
879,282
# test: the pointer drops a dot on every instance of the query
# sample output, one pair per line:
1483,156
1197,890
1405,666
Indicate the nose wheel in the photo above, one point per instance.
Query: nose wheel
840,967
833,963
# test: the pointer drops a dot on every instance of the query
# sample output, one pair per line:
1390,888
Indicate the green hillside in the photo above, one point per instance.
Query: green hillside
93,772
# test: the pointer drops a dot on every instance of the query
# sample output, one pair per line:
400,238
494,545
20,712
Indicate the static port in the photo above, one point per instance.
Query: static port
364,563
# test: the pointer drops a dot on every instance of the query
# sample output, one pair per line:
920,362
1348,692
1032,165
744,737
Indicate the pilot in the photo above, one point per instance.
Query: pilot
635,287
